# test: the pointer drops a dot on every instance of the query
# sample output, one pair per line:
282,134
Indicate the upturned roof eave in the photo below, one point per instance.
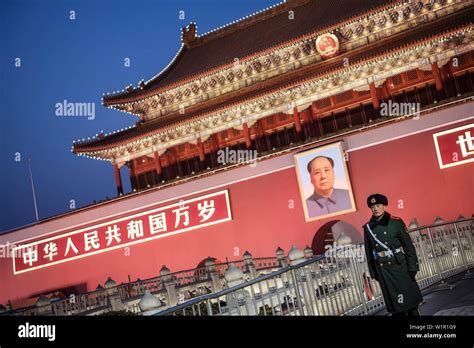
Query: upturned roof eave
97,146
125,97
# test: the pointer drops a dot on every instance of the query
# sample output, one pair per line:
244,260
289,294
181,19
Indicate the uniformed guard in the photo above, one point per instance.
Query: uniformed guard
392,259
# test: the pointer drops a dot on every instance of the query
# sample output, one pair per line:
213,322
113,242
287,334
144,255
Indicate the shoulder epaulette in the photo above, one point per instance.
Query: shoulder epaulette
396,217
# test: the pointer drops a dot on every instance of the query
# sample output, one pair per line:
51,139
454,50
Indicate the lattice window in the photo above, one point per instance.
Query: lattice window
397,80
223,135
426,72
412,75
345,96
323,103
270,120
463,59
362,93
282,117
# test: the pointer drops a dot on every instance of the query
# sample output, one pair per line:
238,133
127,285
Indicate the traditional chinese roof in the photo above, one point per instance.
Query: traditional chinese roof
382,48
270,28
284,46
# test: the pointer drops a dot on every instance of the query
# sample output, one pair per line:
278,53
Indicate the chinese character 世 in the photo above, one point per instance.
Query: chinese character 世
466,143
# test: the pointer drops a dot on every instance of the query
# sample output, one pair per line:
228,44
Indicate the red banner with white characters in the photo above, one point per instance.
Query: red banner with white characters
455,146
156,222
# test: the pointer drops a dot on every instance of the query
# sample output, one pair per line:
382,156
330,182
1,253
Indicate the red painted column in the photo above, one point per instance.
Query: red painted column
296,119
262,140
118,180
374,96
158,168
450,68
314,111
214,139
172,156
261,131
248,142
386,90
437,76
215,142
315,117
451,75
131,173
200,147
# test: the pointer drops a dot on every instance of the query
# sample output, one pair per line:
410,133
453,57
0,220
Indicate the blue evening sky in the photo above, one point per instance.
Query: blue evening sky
79,60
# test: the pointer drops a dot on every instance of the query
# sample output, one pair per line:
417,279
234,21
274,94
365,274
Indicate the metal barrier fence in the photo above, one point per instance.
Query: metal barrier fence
99,300
337,283
188,277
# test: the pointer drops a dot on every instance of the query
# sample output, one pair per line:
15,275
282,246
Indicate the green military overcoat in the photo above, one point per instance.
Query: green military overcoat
400,291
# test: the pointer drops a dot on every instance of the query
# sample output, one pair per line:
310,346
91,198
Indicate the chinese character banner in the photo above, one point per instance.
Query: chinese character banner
140,227
455,146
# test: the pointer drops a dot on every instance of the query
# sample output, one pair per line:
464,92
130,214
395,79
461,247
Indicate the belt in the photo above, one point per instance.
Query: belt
389,253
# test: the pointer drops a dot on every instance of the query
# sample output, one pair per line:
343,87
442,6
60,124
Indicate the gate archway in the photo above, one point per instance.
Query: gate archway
330,232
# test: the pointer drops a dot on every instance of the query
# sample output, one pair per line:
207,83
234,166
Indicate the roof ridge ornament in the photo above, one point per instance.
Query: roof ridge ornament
188,34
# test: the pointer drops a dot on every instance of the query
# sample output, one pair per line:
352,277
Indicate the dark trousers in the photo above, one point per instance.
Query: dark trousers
412,312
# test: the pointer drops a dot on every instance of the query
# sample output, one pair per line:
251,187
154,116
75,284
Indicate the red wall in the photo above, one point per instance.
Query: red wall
267,213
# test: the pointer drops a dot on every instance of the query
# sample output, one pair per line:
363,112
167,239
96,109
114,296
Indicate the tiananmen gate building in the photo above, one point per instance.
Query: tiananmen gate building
224,134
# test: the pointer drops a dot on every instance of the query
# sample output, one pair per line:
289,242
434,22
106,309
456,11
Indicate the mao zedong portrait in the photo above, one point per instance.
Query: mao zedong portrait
326,199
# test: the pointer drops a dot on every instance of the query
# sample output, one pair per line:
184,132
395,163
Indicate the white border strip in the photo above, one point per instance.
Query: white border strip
410,134
239,180
151,204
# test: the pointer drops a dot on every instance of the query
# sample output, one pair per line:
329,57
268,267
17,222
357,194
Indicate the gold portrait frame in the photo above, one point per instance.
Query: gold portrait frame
302,164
